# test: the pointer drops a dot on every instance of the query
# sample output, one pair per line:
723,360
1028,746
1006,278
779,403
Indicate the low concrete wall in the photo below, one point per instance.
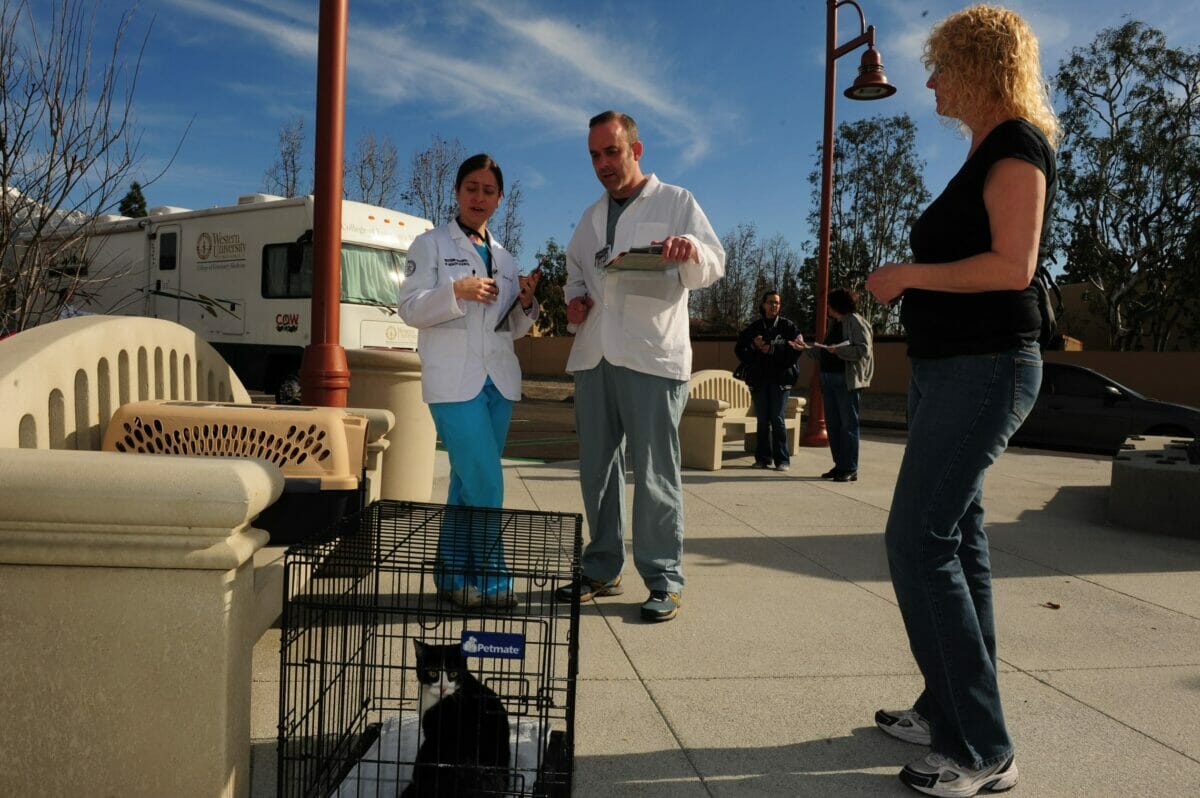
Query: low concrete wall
1170,376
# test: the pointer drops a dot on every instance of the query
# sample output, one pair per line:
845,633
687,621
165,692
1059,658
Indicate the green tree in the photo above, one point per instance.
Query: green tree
1129,177
133,204
878,193
550,293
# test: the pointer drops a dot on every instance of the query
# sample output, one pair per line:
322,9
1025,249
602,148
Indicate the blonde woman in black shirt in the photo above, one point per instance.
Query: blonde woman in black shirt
972,322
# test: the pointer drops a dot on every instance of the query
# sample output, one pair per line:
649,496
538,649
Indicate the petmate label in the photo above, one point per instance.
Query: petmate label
493,644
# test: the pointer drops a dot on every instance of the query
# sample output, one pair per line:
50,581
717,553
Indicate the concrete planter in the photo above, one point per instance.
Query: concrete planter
391,380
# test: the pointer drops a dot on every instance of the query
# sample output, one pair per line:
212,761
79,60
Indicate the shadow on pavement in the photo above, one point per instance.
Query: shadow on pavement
828,766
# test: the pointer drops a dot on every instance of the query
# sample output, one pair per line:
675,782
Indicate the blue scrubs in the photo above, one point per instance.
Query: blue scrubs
473,433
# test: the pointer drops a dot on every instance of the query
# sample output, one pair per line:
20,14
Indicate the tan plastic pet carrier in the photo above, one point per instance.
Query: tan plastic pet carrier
320,451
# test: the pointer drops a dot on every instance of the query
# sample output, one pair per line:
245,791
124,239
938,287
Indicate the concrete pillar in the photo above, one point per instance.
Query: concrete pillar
391,380
127,599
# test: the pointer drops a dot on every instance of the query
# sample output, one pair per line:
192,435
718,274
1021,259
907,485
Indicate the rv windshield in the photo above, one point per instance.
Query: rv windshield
371,276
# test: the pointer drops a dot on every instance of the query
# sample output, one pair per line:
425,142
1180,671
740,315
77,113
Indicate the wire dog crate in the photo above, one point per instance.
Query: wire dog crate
350,705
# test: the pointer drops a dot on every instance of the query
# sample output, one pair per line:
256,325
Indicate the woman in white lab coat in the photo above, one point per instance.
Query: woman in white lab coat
463,293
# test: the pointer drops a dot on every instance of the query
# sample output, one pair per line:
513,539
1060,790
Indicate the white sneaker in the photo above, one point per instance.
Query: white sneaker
904,724
934,774
468,597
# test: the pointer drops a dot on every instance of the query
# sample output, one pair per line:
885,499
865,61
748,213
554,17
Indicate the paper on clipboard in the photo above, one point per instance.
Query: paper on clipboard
646,259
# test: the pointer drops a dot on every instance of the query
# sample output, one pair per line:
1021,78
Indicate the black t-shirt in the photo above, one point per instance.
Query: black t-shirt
955,226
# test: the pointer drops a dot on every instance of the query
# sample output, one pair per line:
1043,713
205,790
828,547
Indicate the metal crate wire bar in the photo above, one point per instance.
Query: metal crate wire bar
538,544
326,683
347,662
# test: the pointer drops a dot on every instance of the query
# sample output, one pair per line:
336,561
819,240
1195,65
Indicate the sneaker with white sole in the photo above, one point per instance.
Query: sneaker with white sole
502,600
468,596
903,724
934,774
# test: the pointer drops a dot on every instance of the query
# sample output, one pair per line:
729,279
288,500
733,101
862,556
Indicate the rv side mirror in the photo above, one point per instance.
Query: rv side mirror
295,258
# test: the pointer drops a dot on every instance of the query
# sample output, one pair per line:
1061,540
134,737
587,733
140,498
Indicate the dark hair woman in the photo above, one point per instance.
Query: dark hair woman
771,372
462,292
971,315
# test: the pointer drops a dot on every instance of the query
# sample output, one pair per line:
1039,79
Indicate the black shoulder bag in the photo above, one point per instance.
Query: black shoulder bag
1050,310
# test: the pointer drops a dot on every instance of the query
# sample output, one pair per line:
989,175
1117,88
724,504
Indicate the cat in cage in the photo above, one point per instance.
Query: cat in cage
465,750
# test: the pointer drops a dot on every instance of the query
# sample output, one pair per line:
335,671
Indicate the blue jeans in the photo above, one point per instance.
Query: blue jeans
961,412
841,420
769,403
618,410
470,550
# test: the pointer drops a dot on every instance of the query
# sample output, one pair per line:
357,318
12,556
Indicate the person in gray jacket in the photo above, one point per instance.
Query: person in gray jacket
847,363
631,360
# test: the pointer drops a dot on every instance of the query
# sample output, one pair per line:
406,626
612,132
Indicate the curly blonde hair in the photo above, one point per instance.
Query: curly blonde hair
988,58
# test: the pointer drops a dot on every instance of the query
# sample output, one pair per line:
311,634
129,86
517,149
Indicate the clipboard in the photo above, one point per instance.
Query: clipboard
645,259
512,305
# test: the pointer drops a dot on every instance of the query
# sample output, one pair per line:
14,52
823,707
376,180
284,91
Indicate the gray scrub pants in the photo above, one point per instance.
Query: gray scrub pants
618,410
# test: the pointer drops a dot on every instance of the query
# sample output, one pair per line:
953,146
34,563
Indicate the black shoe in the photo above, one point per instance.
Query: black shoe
831,473
846,476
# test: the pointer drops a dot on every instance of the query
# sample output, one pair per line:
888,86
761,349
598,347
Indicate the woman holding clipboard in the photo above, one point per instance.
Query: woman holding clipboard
463,293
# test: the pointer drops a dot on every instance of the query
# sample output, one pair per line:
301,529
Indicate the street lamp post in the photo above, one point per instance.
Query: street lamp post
324,372
871,84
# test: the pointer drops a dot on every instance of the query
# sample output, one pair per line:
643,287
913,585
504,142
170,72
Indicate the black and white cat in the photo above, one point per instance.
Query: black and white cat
465,750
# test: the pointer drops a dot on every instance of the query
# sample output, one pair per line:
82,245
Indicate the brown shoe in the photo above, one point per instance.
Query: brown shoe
589,589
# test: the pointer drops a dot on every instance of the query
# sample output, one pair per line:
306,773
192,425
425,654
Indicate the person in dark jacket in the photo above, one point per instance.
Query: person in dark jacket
771,369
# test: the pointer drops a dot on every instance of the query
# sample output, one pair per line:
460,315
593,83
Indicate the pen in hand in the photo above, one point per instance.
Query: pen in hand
476,289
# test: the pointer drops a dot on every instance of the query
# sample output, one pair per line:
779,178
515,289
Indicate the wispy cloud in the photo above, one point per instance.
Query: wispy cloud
521,66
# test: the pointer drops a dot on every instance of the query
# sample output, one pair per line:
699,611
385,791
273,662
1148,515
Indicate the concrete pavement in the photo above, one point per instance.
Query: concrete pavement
790,638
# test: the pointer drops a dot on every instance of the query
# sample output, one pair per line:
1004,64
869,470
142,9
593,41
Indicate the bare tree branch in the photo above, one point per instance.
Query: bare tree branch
373,171
67,151
284,175
430,189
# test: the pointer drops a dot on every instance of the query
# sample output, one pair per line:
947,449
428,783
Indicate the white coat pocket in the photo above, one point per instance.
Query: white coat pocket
648,321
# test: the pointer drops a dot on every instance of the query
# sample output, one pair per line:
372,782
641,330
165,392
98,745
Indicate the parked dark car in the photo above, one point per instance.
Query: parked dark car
1083,410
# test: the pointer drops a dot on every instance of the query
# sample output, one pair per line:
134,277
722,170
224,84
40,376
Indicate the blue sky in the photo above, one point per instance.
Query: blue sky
728,95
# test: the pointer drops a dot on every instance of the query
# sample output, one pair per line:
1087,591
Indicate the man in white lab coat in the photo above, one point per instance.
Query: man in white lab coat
631,359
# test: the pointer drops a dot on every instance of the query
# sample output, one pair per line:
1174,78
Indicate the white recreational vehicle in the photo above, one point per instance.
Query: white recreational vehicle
242,276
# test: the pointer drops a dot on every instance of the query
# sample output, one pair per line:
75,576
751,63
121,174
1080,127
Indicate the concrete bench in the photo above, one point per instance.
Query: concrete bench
719,408
1155,487
132,588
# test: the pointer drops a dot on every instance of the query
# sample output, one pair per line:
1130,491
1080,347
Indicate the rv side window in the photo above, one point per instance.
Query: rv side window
168,251
287,271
